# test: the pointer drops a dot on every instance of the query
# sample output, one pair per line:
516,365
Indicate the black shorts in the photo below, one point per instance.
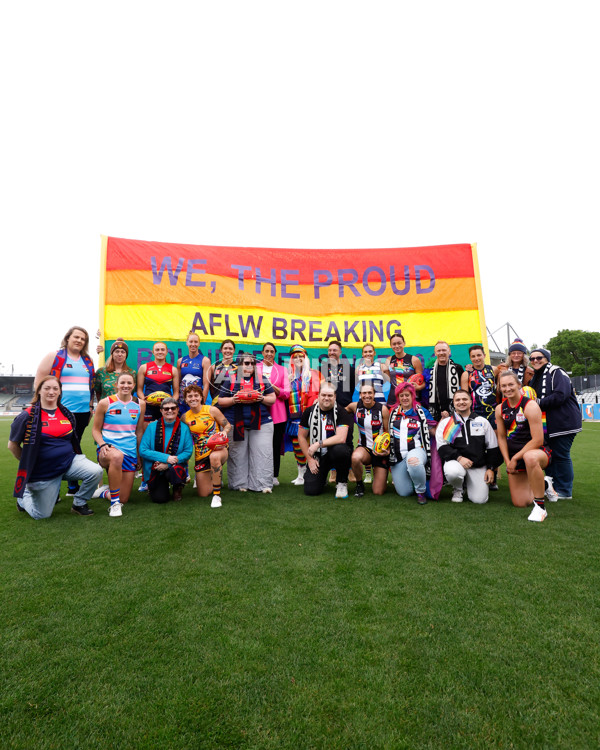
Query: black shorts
377,461
521,464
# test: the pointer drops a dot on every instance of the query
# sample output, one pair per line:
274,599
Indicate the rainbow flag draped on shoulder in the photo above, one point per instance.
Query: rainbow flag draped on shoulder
154,291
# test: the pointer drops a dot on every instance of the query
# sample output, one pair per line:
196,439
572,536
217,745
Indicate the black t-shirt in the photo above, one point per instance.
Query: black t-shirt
343,418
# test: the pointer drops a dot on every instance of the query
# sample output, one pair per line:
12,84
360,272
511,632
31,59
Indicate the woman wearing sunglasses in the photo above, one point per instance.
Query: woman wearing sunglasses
244,401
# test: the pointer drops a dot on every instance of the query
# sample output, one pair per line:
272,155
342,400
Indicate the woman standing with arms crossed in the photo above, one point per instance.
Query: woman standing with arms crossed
117,429
278,377
72,365
522,442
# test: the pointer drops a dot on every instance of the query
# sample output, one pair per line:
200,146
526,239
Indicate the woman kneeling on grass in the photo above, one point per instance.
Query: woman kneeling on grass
165,449
43,438
203,422
117,429
410,448
522,441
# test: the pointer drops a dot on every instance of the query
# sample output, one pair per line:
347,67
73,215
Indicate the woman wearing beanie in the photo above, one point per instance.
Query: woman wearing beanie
105,382
517,362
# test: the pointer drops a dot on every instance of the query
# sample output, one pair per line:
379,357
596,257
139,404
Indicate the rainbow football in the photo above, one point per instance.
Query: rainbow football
528,391
381,444
217,441
156,398
417,379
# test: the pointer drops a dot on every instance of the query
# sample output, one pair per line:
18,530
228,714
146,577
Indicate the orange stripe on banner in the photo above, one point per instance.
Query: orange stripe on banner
136,287
299,265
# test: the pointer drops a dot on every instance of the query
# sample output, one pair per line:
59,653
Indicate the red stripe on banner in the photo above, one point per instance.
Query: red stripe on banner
346,266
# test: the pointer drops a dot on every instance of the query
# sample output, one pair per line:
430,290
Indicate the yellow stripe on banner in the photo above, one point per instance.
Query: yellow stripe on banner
172,322
136,287
103,251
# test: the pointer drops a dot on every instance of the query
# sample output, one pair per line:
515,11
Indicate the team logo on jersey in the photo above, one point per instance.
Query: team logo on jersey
115,411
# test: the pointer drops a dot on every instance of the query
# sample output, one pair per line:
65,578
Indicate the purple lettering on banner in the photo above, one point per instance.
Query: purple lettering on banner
314,330
166,265
214,322
240,270
406,287
229,334
285,274
349,331
375,331
429,271
143,356
318,284
279,328
350,283
393,326
333,333
298,326
272,280
382,281
250,324
192,268
198,325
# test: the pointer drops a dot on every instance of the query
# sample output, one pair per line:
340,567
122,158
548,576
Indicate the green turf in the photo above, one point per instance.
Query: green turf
290,622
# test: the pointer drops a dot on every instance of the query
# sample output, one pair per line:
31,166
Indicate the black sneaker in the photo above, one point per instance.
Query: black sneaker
360,489
82,510
72,489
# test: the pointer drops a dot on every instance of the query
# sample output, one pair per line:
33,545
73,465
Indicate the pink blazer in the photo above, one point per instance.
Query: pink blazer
279,377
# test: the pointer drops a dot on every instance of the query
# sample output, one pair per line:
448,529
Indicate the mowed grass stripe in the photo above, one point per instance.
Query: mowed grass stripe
284,621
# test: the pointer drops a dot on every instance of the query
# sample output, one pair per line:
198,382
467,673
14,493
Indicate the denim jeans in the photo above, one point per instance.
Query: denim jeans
561,466
409,478
39,498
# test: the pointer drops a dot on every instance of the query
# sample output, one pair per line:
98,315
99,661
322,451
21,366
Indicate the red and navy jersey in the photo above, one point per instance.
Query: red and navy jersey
56,452
158,378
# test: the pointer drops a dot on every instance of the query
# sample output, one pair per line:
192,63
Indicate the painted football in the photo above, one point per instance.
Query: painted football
156,398
217,441
381,444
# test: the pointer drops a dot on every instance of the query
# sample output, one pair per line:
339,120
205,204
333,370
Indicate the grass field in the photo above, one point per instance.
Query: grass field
292,622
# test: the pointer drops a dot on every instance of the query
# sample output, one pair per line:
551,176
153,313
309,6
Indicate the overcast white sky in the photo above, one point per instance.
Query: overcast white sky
313,124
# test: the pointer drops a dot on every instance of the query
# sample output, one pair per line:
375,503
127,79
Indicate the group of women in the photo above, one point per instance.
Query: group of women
255,408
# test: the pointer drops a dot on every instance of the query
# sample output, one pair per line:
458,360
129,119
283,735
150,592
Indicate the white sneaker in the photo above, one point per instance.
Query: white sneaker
537,514
300,478
551,493
267,491
216,501
341,490
275,482
139,475
115,510
143,487
242,489
368,476
195,484
457,496
100,491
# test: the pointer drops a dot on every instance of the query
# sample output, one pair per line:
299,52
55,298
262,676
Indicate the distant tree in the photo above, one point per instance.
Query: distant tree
574,350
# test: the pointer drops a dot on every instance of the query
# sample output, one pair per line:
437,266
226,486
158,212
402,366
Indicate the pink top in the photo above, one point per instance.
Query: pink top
278,377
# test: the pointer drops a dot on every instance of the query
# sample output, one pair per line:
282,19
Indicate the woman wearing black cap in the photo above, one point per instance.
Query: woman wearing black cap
105,382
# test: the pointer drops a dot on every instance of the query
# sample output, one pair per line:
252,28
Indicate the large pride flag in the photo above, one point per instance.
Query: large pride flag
157,291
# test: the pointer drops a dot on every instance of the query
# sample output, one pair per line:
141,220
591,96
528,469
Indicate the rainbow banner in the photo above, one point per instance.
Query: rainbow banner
153,291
